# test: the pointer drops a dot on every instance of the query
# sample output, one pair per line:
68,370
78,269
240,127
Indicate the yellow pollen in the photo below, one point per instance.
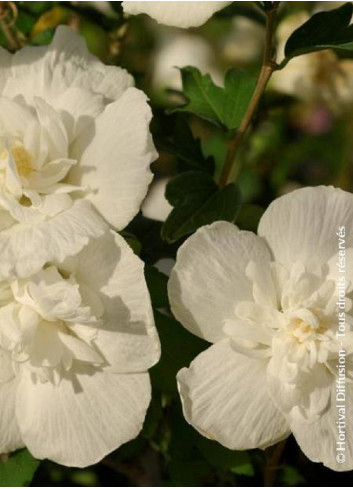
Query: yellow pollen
23,161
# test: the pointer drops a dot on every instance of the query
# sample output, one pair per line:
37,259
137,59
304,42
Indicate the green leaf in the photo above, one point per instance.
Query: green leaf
179,348
185,147
224,459
291,477
249,217
19,470
197,201
36,8
188,186
224,107
324,30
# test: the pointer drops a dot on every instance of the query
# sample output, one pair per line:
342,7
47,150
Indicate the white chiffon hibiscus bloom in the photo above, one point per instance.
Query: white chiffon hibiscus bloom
269,305
76,340
75,147
177,14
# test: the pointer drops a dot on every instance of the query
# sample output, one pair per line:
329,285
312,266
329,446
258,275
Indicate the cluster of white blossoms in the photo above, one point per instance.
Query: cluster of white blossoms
77,334
269,305
76,327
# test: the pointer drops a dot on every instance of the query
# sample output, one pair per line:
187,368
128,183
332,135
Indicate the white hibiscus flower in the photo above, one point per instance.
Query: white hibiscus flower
76,340
269,305
178,14
74,140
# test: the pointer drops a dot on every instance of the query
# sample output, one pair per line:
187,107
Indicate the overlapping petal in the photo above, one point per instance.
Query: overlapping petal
210,276
127,336
225,398
114,155
302,225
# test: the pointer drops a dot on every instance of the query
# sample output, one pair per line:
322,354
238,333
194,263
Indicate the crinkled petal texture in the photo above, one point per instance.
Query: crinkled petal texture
178,14
76,341
302,225
209,276
25,248
51,72
270,305
225,398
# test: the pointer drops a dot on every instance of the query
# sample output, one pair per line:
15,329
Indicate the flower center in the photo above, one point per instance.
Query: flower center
48,325
22,160
306,329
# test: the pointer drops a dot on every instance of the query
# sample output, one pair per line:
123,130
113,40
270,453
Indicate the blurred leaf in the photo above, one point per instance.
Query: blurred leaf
185,147
44,37
96,38
19,470
179,348
249,217
25,22
224,459
291,477
51,19
197,201
187,465
323,30
251,10
153,417
157,286
86,478
224,107
36,8
188,472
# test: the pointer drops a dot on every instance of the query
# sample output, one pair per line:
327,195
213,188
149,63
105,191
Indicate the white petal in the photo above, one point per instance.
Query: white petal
155,206
85,417
25,249
318,439
47,71
127,337
178,14
114,158
10,436
302,225
209,277
6,371
225,398
77,107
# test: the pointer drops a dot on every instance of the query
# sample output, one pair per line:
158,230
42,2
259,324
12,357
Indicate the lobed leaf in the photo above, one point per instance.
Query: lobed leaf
197,201
224,107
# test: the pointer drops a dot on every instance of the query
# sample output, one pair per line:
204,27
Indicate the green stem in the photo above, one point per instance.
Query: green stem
267,68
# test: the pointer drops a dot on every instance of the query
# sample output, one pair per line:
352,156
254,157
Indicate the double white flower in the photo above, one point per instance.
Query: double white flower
74,143
269,305
76,326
